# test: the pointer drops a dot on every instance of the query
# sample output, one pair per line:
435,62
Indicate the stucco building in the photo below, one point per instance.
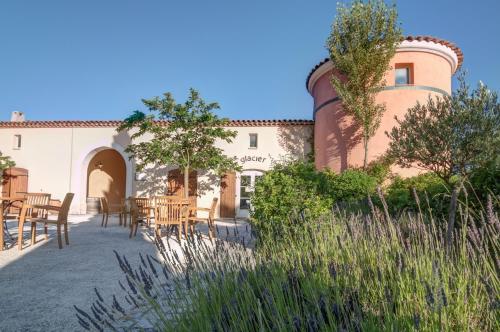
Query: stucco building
88,158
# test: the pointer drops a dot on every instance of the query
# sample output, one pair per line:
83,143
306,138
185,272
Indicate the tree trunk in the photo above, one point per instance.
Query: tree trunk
365,145
451,216
186,182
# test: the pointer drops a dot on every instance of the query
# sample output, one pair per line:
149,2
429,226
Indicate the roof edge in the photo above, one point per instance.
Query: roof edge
116,123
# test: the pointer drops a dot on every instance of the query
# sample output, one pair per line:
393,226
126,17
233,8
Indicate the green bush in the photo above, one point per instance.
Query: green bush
429,187
486,179
286,192
294,190
350,185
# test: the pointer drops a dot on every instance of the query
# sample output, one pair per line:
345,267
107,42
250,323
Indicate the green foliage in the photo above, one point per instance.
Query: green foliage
293,192
350,185
183,135
486,179
380,168
5,162
450,135
362,42
288,190
432,193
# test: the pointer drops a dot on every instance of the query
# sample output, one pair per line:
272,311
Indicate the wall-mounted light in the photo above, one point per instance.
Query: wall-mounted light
99,164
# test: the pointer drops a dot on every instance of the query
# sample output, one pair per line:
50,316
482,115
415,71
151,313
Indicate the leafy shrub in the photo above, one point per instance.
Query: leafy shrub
350,185
486,179
288,190
380,168
429,187
292,190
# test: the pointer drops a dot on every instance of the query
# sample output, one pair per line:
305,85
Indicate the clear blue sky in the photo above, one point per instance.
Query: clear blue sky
97,59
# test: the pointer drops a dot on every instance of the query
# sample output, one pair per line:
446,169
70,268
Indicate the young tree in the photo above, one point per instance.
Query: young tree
449,136
362,42
183,135
5,162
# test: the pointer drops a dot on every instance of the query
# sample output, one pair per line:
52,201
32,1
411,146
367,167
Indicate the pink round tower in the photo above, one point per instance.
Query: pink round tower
422,67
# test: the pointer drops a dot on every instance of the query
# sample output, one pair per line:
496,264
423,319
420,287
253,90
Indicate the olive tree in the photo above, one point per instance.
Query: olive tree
451,135
363,40
182,135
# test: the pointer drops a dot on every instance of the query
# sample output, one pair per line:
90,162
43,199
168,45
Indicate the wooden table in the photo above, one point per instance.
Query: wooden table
9,201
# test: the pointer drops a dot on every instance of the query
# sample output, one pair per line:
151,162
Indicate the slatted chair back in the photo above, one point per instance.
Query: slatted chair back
171,211
164,199
143,205
37,199
62,216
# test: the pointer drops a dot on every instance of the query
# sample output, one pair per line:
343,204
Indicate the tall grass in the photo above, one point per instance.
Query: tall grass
344,271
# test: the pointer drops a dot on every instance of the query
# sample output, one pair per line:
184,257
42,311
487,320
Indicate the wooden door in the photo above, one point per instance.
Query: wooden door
176,185
14,183
228,195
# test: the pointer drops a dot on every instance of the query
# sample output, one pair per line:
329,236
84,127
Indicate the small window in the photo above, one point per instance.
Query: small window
17,142
404,74
253,141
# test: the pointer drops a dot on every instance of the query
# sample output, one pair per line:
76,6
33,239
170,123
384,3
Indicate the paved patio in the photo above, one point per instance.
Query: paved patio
40,284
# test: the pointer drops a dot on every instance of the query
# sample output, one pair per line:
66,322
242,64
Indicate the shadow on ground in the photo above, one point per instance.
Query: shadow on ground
40,284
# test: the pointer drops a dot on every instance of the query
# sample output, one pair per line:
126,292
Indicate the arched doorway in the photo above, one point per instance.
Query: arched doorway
106,177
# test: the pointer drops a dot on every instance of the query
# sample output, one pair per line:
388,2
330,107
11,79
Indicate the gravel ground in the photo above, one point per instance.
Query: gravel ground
40,284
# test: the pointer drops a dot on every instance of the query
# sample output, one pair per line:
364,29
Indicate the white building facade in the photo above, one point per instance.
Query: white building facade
88,158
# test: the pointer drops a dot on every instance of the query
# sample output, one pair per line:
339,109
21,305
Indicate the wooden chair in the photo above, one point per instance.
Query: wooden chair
37,199
209,220
32,199
144,207
172,212
62,220
106,211
140,209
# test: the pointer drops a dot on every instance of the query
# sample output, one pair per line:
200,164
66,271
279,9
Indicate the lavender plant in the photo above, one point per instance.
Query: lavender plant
343,271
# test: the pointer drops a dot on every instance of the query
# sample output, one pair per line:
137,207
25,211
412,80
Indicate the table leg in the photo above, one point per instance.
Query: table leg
1,226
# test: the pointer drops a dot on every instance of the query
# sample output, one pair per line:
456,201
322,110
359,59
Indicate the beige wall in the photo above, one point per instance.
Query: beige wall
58,158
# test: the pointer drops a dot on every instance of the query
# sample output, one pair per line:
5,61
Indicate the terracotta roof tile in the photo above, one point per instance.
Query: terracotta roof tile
116,123
452,46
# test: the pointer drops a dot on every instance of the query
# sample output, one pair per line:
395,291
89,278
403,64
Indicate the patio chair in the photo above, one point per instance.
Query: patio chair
140,209
62,220
106,211
30,199
172,212
209,220
144,207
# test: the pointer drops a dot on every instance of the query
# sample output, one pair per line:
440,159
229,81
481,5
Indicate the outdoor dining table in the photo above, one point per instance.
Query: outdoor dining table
5,203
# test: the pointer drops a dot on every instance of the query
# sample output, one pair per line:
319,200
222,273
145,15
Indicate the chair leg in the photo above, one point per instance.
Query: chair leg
158,231
46,230
106,222
185,224
131,230
33,233
120,218
191,230
66,237
102,222
20,234
179,231
135,230
59,239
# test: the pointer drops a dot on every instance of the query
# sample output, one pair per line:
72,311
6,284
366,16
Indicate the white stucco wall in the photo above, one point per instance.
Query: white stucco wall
57,158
